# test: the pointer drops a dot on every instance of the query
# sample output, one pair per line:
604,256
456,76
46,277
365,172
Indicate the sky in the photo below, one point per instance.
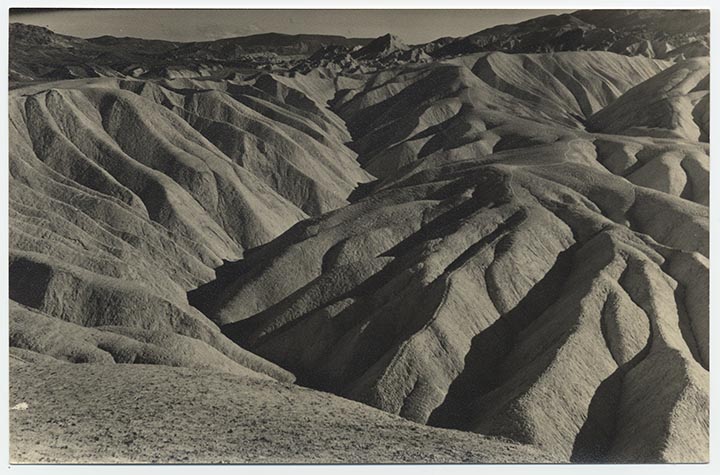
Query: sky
412,26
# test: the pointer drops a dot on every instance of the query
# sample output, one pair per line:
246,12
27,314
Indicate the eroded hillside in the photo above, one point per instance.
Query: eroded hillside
513,244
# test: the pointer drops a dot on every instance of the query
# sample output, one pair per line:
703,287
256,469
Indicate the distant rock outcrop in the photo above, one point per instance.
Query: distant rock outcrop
381,48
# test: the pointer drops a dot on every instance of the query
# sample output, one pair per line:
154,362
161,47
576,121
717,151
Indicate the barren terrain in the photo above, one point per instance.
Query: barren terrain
327,250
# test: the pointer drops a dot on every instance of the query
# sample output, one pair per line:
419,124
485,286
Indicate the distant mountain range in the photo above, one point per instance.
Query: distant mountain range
653,33
38,53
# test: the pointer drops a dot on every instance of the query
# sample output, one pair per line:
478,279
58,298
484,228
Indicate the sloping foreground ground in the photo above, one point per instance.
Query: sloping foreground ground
157,414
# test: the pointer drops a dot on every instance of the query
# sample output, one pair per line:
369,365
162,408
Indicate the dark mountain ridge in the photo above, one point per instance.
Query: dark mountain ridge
38,53
619,31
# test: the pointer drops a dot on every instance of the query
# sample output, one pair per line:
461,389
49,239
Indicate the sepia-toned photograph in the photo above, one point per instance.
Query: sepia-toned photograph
343,236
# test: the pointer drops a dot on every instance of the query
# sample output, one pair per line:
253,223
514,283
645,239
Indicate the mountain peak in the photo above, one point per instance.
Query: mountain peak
381,47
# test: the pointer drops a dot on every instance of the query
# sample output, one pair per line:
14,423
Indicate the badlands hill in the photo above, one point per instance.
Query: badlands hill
504,250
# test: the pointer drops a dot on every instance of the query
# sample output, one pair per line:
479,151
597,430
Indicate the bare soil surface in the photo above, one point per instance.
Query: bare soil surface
154,414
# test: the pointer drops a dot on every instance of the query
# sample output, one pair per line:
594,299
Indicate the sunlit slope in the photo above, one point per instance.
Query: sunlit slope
510,273
531,285
482,103
125,194
674,104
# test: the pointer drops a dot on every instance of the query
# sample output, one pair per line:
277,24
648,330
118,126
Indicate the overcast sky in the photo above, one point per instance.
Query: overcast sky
413,26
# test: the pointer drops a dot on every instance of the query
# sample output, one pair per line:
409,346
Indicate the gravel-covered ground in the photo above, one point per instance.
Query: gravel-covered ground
90,413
